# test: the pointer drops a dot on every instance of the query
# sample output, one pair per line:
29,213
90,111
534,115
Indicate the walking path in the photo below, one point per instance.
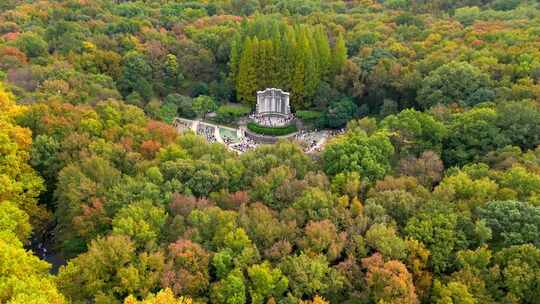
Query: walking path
182,124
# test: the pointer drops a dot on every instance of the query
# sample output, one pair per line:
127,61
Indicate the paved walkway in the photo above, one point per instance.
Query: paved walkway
194,125
182,124
319,145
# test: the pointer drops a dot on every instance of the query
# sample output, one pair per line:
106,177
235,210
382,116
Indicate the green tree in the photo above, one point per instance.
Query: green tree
415,132
167,112
246,82
172,76
452,293
519,121
369,155
512,223
471,135
339,54
203,105
298,80
234,57
314,204
287,59
266,283
339,113
110,271
466,192
309,276
80,193
183,104
230,290
32,44
456,82
522,183
211,226
142,222
386,241
437,229
323,50
135,75
312,72
278,188
519,269
263,226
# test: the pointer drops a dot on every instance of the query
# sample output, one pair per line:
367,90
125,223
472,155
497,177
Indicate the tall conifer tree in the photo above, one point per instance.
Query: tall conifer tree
323,50
246,82
234,59
299,74
339,55
311,71
275,60
288,59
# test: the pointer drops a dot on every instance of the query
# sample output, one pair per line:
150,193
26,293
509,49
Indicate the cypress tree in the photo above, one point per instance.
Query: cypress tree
234,59
172,76
275,55
246,82
263,64
288,60
299,74
323,50
339,55
311,67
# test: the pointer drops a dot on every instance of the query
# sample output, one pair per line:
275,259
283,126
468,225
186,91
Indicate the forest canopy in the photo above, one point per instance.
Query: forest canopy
429,192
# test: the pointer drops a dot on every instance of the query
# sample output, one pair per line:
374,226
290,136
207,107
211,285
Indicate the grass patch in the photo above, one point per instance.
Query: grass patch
308,115
272,131
231,113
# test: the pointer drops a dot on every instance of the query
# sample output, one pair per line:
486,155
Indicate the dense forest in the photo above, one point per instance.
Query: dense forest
430,195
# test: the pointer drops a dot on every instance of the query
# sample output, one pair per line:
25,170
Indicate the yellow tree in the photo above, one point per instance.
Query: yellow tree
163,297
24,278
19,183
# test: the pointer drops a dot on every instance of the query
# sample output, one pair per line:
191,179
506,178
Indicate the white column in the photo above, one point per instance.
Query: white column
258,106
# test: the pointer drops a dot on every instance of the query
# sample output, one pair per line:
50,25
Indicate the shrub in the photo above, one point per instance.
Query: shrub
272,131
308,116
184,105
230,113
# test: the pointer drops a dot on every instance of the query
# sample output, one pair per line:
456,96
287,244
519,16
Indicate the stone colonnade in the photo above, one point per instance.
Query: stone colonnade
273,101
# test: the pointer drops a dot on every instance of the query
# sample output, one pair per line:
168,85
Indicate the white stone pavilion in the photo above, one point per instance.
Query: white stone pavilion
273,101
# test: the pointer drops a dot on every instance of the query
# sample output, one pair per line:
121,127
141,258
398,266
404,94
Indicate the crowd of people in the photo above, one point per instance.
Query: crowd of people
244,145
228,140
337,132
312,140
269,120
181,126
208,132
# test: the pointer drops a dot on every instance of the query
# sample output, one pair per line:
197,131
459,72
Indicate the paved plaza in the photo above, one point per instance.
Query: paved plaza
272,110
310,141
